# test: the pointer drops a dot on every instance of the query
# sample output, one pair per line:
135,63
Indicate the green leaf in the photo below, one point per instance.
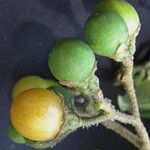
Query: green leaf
123,103
14,135
143,97
145,114
18,138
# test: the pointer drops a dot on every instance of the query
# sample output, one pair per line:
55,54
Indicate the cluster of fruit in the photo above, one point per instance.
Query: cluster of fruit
37,112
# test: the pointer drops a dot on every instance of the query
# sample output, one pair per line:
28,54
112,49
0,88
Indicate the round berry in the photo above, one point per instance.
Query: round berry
71,60
37,114
124,9
30,82
105,31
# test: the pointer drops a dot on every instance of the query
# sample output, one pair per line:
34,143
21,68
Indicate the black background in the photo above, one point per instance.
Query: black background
28,29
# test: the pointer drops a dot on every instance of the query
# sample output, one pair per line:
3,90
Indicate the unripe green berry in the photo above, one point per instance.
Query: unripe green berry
71,60
105,31
124,9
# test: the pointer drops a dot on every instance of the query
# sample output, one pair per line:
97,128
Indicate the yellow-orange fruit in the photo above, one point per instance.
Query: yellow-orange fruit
37,114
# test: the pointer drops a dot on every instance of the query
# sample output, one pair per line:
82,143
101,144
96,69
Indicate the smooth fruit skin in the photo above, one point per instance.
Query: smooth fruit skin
105,31
30,82
37,114
71,60
124,9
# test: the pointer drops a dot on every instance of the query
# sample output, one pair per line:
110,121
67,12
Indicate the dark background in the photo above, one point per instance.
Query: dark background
28,28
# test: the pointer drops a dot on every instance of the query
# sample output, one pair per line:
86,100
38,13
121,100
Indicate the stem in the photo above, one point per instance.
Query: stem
88,122
134,121
110,114
143,135
91,89
129,85
110,109
122,131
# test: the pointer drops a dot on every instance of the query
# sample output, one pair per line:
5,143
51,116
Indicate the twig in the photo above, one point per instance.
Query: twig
122,131
113,113
128,82
122,117
129,87
88,122
143,135
110,114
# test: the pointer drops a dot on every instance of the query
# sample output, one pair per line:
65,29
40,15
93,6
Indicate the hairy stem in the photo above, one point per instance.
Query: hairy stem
143,135
91,89
110,114
88,122
122,131
128,82
113,113
129,87
127,119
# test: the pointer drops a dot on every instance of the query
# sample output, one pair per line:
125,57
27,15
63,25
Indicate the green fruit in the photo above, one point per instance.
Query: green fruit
71,60
14,135
30,82
124,9
105,31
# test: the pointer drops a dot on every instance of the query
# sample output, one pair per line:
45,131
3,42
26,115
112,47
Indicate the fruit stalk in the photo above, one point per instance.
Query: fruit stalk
128,83
109,117
122,131
113,114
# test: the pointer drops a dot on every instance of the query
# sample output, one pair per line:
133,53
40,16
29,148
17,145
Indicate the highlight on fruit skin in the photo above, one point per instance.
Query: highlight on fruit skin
71,60
124,9
29,82
105,31
37,114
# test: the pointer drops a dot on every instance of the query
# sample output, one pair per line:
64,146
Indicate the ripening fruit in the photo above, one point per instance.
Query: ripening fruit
124,9
37,114
105,31
30,82
71,60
